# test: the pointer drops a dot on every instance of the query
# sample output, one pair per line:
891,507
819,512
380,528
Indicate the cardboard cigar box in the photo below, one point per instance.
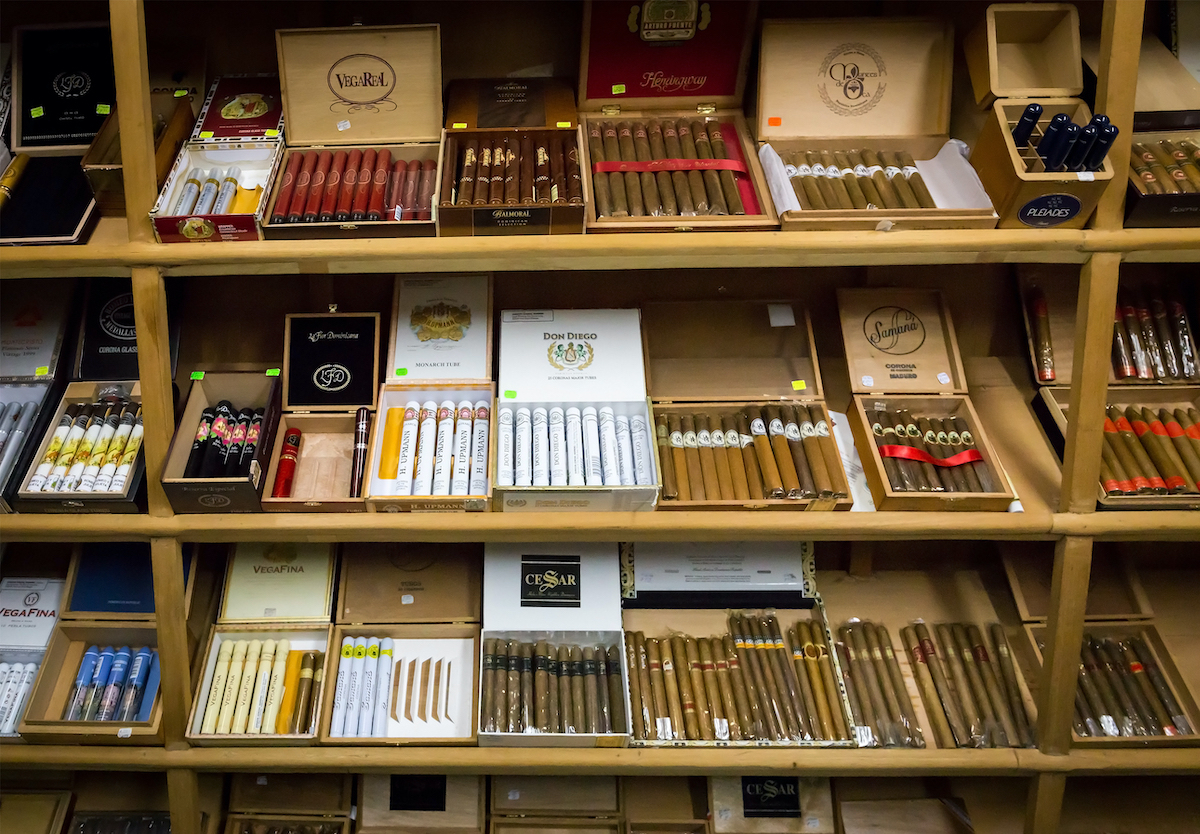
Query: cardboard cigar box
299,799
114,581
29,608
774,362
481,114
898,102
394,803
1019,54
272,592
771,804
377,87
440,349
573,359
667,804
1115,590
330,370
902,354
36,810
235,493
690,589
661,60
426,599
240,124
567,595
575,804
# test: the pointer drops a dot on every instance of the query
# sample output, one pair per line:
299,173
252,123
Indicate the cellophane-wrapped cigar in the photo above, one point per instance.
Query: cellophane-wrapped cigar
542,188
687,146
450,165
729,182
607,189
1039,316
618,144
679,179
658,150
466,177
649,185
483,173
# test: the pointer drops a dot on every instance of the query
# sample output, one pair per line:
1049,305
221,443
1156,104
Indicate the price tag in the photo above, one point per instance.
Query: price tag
206,134
510,395
799,385
407,599
125,732
868,381
103,109
272,133
864,737
272,372
44,370
563,124
618,89
180,93
943,378
197,374
402,372
37,112
344,124
459,125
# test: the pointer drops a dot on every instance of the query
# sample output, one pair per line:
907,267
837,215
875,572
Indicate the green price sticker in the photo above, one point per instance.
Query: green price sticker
271,132
197,374
180,93
272,372
799,385
459,125
510,395
618,89
37,112
44,370
206,134
103,109
563,124
402,372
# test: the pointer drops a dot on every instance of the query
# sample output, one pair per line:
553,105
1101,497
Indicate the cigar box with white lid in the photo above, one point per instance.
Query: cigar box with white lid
217,190
902,354
667,62
842,88
765,359
29,608
330,373
438,373
585,368
273,592
567,596
396,803
365,89
414,609
321,802
675,804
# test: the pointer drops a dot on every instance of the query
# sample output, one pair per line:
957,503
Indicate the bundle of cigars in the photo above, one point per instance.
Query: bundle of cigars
1166,167
1153,337
519,169
1149,452
929,454
858,179
354,185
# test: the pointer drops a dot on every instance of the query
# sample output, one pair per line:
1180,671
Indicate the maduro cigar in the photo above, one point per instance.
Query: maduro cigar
450,160
1008,675
630,188
704,451
487,685
707,424
937,716
649,185
642,720
747,706
816,701
1085,722
681,181
663,439
1160,685
795,435
980,468
754,482
495,196
591,699
729,184
1122,355
1141,681
483,174
951,440
704,711
466,177
921,472
1181,330
888,435
616,691
915,180
883,182
657,150
712,180
1107,704
773,486
638,205
527,166
939,478
673,680
542,188
697,486
954,715
850,179
1166,339
833,173
1091,694
512,173
558,173
805,184
608,189
991,687
828,678
897,679
713,656
574,179
696,184
891,466
683,475
1109,680
1146,715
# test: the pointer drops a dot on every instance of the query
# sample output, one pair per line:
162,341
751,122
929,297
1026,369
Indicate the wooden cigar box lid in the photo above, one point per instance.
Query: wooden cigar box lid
767,804
665,54
510,104
291,793
284,582
330,361
585,594
241,108
410,583
761,351
360,85
673,799
900,341
591,796
1025,49
855,78
35,812
390,803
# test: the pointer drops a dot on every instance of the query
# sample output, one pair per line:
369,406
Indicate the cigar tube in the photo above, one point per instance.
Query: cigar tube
680,180
754,481
777,698
915,180
991,684
663,438
1166,340
712,180
865,182
300,192
603,710
333,187
1122,357
937,717
692,718
696,184
937,476
857,717
350,175
1184,446
711,652
654,709
892,697
558,173
673,681
756,685
874,713
804,183
616,691
897,677
1182,330
1133,332
829,679
729,183
379,185
893,171
363,186
1008,674
511,172
602,184
591,701
408,195
885,724
1145,461
773,485
697,488
1185,163
287,189
1124,453
977,720
482,184
1137,696
704,452
717,439
833,173
662,179
487,686
795,442
883,183
574,179
804,663
830,196
1087,685
1039,317
466,175
1116,699
1141,680
800,691
542,185
449,166
1160,685
747,707
1151,429
891,466
649,184
979,467
316,186
954,712
704,713
289,456
850,179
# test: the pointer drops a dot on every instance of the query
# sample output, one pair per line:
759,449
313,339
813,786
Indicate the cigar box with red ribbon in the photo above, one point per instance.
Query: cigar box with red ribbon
666,146
364,111
920,438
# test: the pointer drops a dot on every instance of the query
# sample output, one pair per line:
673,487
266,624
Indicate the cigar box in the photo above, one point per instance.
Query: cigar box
362,87
1022,54
770,804
1144,209
440,349
108,332
426,599
483,111
43,812
568,359
114,581
690,589
774,363
668,804
130,499
233,494
1115,590
302,799
29,609
240,124
1148,632
597,798
563,593
896,99
662,60
902,354
43,721
330,370
394,803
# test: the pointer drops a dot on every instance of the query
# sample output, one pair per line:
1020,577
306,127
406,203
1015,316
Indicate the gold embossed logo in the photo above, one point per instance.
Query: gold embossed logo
440,321
669,20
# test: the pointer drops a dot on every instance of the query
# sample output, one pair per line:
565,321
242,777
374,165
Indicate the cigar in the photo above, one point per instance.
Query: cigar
708,428
828,678
968,684
482,183
512,173
1146,714
541,686
908,199
892,697
695,179
349,185
466,177
705,713
910,475
553,699
681,181
850,179
954,714
656,711
830,195
663,438
1085,722
874,713
541,171
1110,685
754,481
590,693
833,174
642,720
558,173
499,699
951,441
1142,461
795,442
712,180
797,680
316,186
877,687
683,681
649,185
991,686
1008,675
979,467
915,180
603,709
377,188
816,701
857,715
666,191
729,184
574,179
829,452
1185,162
897,678
679,457
712,657
585,718
756,685
747,707
1133,332
526,170
773,486
1135,669
697,488
528,718
733,458
1087,685
673,680
363,185
1153,435
512,720
1109,481
495,180
1181,329
608,190
1154,353
1151,184
1121,451
891,466
941,727
862,175
1160,685
703,453
1185,446
780,665
487,686
396,183
614,151
1039,315
616,691
883,182
1174,170
448,167
303,186
1109,706
804,183
939,477
1166,339
1122,355
776,692
408,194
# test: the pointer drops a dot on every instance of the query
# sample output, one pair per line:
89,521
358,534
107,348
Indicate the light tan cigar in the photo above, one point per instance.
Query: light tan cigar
829,680
893,666
711,651
747,707
937,716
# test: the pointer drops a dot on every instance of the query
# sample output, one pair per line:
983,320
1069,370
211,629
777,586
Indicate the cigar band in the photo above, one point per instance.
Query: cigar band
807,429
967,438
909,170
955,438
943,438
757,426
875,169
688,706
804,170
677,439
981,654
818,169
861,170
891,171
791,170
541,663
553,667
202,432
877,430
589,667
655,665
918,654
911,430
732,439
877,653
849,172
928,648
703,438
667,666
745,440
613,667
776,427
822,428
718,439
722,665
690,440
930,436
741,643
833,172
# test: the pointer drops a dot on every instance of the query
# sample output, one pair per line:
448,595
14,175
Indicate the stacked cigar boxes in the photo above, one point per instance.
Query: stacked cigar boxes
556,803
771,804
269,801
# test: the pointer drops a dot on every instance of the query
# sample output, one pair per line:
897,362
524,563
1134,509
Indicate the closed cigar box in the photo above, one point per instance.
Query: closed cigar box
903,355
40,811
113,580
666,62
882,86
321,801
669,804
769,804
597,797
393,803
426,599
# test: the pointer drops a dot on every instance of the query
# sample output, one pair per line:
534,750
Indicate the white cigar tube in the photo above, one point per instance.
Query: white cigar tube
574,448
522,453
383,687
266,659
20,695
460,478
87,480
504,448
354,690
558,448
541,447
610,458
116,448
216,689
366,707
241,711
208,192
233,682
128,456
426,446
83,454
624,451
191,190
643,453
592,471
407,455
57,440
479,449
341,690
275,688
444,451
67,455
10,678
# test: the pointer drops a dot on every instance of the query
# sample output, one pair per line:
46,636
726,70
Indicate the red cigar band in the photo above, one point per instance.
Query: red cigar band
1136,667
670,165
1158,428
1174,429
1123,425
1140,427
909,453
1193,431
1110,426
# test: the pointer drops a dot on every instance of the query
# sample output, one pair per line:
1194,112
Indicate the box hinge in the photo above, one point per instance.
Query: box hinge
706,108
611,110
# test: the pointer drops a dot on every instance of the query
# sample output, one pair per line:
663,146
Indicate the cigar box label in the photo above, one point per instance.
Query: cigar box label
770,796
1049,210
852,79
894,330
550,582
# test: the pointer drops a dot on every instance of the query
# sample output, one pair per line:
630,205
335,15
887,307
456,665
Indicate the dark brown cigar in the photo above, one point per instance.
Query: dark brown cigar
620,146
1111,707
483,174
449,166
1008,674
1166,723
574,179
1146,714
541,170
558,170
687,144
649,185
666,191
1087,685
1111,680
795,442
466,177
891,466
527,170
936,476
1160,685
979,467
729,184
512,174
498,172
680,180
953,443
712,180
910,475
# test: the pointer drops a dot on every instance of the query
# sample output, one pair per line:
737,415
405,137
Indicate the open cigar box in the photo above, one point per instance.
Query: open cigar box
563,804
330,371
425,599
272,592
394,803
1115,590
903,355
512,159
666,805
773,364
29,608
439,369
690,590
667,62
371,89
771,804
323,802
881,85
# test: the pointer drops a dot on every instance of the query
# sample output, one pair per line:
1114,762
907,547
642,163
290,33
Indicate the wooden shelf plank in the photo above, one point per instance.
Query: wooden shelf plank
1130,525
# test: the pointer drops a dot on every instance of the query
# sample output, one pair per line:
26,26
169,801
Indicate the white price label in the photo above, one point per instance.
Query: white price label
344,124
864,737
407,599
721,726
943,378
125,732
868,380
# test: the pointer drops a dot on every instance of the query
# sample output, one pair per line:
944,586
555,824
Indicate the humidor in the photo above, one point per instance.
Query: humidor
580,803
29,609
425,598
377,87
1115,590
666,61
902,354
899,102
513,110
567,595
573,359
439,349
235,493
272,592
771,804
330,370
271,800
666,805
772,362
240,124
114,581
393,803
